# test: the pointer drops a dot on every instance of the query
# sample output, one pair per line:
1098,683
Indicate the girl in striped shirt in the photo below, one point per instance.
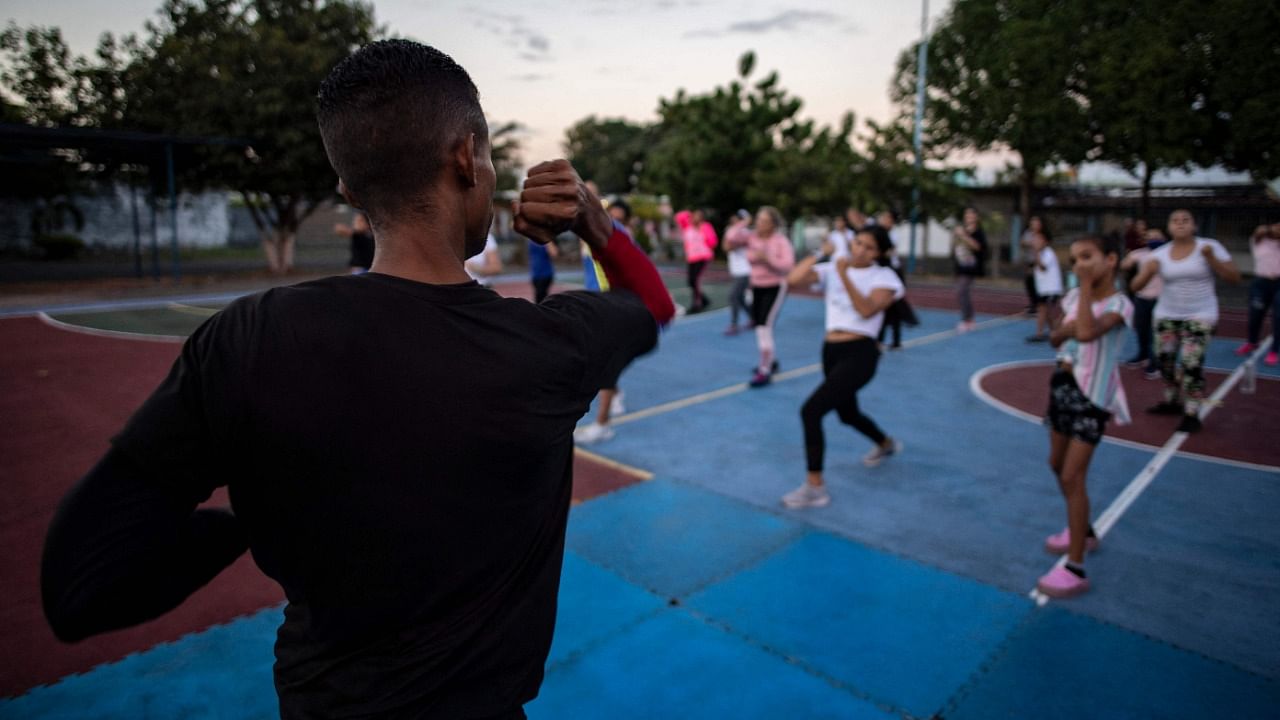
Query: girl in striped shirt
1084,393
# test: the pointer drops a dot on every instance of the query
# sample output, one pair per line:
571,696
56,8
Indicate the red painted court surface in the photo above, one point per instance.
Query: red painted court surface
62,396
1244,427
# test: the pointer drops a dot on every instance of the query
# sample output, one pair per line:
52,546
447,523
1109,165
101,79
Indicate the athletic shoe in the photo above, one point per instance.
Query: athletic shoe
1152,374
1272,359
1062,583
1037,338
616,406
1246,348
966,326
1060,543
760,379
1164,407
878,453
731,330
1134,362
807,496
774,367
593,433
1189,424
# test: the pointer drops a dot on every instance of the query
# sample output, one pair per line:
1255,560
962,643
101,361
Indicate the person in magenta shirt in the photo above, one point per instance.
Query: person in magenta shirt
699,241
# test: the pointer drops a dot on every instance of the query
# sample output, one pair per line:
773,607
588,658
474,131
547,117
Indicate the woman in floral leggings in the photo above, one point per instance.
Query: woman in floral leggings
1185,314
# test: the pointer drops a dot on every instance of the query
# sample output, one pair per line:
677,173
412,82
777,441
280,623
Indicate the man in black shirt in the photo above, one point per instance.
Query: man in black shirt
397,445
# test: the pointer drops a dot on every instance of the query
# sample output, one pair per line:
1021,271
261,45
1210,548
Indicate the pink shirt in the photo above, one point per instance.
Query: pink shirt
697,243
1266,258
1151,291
771,258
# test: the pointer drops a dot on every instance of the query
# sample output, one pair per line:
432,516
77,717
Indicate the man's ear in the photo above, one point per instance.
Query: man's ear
464,161
347,195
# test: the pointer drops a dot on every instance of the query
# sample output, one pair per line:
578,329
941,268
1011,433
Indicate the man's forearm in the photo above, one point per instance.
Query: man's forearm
124,548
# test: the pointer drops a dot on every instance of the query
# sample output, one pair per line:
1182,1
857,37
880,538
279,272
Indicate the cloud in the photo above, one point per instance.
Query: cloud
789,21
528,77
517,34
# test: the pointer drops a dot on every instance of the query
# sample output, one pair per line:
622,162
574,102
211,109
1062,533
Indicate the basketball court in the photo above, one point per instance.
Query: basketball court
689,591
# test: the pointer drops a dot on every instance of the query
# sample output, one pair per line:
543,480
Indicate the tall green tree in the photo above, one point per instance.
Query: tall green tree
709,147
1145,69
886,174
1240,44
1004,75
610,151
248,69
810,172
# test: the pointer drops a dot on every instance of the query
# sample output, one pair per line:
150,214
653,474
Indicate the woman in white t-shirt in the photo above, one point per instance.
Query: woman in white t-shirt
1185,314
1047,273
740,271
857,290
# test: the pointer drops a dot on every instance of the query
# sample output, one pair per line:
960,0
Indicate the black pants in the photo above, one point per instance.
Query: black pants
541,286
847,367
1144,328
699,300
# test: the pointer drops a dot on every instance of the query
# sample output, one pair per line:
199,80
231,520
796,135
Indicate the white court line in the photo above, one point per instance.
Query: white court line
1144,478
975,386
792,374
192,309
118,334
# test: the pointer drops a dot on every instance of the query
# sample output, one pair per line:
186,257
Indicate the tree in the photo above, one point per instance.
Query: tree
1003,74
886,174
708,147
610,151
1144,73
810,172
505,146
247,69
1242,61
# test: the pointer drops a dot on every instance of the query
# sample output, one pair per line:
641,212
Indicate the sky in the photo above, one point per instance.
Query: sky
549,64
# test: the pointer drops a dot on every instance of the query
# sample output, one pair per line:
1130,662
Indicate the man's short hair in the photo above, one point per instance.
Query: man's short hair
390,114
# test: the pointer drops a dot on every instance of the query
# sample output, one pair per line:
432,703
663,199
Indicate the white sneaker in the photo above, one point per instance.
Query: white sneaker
879,453
616,407
807,496
593,433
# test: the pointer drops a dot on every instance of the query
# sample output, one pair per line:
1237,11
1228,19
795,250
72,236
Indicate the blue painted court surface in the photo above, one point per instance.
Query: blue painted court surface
696,595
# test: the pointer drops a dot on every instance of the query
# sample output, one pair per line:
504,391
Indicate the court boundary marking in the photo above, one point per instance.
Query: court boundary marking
975,386
1130,494
700,398
116,334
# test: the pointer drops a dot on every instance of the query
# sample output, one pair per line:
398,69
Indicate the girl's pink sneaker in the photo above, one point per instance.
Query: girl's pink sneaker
1245,349
1272,359
1062,583
1059,544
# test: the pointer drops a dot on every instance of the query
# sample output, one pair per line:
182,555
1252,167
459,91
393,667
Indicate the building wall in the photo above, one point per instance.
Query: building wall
203,220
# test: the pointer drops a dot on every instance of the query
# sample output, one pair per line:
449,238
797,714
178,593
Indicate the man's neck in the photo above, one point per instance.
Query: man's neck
421,254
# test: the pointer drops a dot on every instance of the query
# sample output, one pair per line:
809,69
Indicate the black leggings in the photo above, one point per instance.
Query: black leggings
847,367
699,300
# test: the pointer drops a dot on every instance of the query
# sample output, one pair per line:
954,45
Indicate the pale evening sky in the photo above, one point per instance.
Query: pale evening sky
550,64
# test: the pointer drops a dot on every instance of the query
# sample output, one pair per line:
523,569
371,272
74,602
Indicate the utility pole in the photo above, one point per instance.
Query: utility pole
921,70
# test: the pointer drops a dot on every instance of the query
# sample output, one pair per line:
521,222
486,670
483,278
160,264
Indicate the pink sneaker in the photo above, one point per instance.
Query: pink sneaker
1060,543
1246,348
1062,583
1272,359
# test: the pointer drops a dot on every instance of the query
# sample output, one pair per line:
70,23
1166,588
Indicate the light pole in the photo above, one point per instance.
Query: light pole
921,70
